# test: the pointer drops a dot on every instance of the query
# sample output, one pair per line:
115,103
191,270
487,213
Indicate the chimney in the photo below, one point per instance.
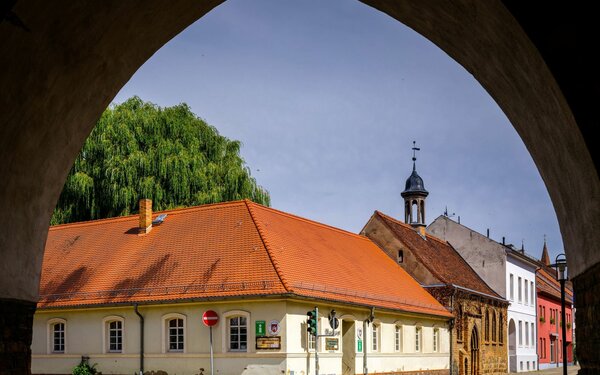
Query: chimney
145,216
421,230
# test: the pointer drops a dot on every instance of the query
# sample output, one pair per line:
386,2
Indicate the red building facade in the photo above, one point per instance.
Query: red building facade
549,319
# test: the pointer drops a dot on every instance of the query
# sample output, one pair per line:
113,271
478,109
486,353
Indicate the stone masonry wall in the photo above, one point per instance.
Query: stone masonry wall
493,354
16,321
587,318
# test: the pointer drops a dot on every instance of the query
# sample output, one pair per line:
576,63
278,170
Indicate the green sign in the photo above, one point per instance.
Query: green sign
261,328
359,346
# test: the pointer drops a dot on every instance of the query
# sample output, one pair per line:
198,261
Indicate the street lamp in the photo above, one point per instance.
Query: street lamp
560,263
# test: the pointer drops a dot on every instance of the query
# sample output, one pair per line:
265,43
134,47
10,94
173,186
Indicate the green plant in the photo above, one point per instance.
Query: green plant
542,319
568,325
551,320
84,368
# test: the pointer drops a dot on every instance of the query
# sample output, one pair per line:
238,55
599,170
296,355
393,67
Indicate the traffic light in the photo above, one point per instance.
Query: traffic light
311,321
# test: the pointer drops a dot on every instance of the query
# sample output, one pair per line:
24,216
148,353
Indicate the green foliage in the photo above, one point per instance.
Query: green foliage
139,150
84,368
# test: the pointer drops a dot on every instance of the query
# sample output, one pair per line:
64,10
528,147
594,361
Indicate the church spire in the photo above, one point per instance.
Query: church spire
414,195
545,257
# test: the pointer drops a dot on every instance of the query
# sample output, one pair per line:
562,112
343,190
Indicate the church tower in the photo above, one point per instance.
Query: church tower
545,257
414,195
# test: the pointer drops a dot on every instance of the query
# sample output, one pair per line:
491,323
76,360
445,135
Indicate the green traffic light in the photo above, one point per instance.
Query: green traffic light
311,322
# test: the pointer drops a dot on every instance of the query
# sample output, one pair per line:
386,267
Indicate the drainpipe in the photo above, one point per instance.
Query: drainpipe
451,323
365,341
141,338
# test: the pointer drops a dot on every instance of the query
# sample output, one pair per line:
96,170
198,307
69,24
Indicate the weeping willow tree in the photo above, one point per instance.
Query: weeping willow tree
139,150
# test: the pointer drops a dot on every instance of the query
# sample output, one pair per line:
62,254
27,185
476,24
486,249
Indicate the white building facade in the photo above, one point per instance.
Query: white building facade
176,340
511,273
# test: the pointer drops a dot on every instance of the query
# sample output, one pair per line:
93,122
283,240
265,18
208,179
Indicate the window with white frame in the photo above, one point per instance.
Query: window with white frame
174,333
532,290
312,341
512,287
520,332
113,334
526,333
398,338
238,333
418,339
375,337
57,329
519,292
532,334
526,292
436,340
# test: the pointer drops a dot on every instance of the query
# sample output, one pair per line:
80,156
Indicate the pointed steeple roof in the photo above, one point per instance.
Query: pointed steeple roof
545,257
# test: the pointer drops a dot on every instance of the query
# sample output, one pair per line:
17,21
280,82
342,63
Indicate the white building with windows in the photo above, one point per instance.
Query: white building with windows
511,274
130,292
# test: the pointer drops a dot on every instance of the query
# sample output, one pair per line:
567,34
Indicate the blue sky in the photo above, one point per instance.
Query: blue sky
327,97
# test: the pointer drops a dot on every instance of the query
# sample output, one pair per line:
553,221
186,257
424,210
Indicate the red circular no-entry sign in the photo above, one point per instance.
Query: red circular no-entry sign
210,318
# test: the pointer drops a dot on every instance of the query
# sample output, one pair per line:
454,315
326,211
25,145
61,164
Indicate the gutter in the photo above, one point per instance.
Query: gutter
467,290
135,307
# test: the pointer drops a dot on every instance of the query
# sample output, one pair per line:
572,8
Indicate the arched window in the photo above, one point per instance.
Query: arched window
57,332
235,335
459,324
113,328
494,326
398,338
418,339
436,340
486,333
174,333
501,329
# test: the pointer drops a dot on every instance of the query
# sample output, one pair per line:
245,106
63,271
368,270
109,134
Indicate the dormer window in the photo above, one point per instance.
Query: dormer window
400,256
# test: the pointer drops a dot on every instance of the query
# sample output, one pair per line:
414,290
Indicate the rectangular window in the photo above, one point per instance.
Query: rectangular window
532,290
58,335
176,336
552,351
526,293
526,333
541,347
238,334
532,334
397,338
115,336
436,340
519,290
375,337
418,339
312,341
520,332
512,287
527,365
521,365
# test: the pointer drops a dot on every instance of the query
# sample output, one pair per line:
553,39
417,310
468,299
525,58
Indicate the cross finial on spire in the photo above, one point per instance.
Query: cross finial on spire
415,149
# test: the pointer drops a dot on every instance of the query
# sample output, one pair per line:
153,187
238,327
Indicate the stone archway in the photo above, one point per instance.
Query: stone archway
62,63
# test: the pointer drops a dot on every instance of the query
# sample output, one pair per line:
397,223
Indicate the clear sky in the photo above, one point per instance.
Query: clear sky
327,98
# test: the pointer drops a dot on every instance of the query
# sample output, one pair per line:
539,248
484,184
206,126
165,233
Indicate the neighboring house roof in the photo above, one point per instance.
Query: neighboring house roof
547,284
218,251
438,256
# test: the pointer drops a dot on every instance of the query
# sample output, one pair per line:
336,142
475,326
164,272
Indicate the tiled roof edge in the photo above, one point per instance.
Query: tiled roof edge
265,242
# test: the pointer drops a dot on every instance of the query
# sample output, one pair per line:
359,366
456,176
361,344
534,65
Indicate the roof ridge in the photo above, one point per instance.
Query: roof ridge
172,211
261,234
408,226
309,221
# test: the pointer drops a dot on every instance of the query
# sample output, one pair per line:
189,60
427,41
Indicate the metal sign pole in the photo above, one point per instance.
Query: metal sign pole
211,353
317,343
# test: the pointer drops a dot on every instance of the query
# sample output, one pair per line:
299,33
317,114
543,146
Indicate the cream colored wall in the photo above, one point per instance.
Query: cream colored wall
84,331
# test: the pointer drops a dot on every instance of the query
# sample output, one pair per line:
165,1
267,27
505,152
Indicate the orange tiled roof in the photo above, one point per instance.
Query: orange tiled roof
222,250
438,256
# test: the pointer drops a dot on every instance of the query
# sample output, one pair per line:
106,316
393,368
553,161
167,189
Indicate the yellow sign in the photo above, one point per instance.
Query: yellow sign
331,344
271,342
